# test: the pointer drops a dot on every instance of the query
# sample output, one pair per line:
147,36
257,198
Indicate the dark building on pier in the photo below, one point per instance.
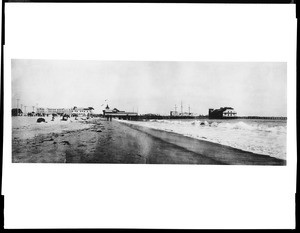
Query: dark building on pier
116,113
222,113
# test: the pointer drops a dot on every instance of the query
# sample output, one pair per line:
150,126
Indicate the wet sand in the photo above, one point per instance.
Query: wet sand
217,152
118,142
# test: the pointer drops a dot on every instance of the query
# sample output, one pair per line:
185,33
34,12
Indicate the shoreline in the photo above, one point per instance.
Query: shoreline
119,142
212,150
256,137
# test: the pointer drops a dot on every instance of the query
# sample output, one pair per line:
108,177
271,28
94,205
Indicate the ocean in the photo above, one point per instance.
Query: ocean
260,136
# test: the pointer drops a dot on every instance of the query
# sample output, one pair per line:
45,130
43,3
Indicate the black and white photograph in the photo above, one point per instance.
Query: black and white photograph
126,116
149,112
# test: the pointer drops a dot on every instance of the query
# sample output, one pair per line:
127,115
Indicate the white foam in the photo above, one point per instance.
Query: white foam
257,136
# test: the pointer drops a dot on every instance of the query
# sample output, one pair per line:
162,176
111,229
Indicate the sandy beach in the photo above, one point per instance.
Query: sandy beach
101,141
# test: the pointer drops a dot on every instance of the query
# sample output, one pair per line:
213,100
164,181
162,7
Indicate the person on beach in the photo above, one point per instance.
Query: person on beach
65,117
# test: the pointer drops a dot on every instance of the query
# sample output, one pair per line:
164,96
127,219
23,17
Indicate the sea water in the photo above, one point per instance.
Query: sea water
259,136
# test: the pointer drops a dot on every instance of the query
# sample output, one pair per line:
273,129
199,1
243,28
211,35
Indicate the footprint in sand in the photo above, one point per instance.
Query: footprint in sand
65,142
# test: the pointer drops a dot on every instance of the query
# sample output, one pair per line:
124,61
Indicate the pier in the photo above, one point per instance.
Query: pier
116,113
260,117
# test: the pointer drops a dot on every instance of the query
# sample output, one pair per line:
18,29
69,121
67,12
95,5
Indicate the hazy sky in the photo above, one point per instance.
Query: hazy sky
152,87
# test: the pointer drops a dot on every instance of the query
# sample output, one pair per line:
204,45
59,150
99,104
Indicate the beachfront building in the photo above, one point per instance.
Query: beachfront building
82,111
222,113
16,112
116,113
50,111
62,111
41,111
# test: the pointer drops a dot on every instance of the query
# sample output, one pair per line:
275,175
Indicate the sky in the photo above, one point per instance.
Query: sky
251,88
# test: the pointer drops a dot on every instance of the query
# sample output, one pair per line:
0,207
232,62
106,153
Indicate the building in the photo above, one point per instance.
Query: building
179,114
116,113
41,111
186,114
222,113
16,112
82,111
68,111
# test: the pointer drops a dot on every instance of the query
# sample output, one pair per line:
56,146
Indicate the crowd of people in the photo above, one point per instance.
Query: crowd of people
63,117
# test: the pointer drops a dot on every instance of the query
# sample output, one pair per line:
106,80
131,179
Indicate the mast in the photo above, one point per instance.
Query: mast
181,107
18,106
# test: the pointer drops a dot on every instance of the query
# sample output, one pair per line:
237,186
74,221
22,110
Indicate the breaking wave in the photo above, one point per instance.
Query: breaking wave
240,125
258,136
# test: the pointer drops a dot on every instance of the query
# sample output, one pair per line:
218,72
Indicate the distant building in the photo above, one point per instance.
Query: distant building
49,111
179,114
110,113
82,111
45,111
68,111
185,114
41,111
222,113
16,112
